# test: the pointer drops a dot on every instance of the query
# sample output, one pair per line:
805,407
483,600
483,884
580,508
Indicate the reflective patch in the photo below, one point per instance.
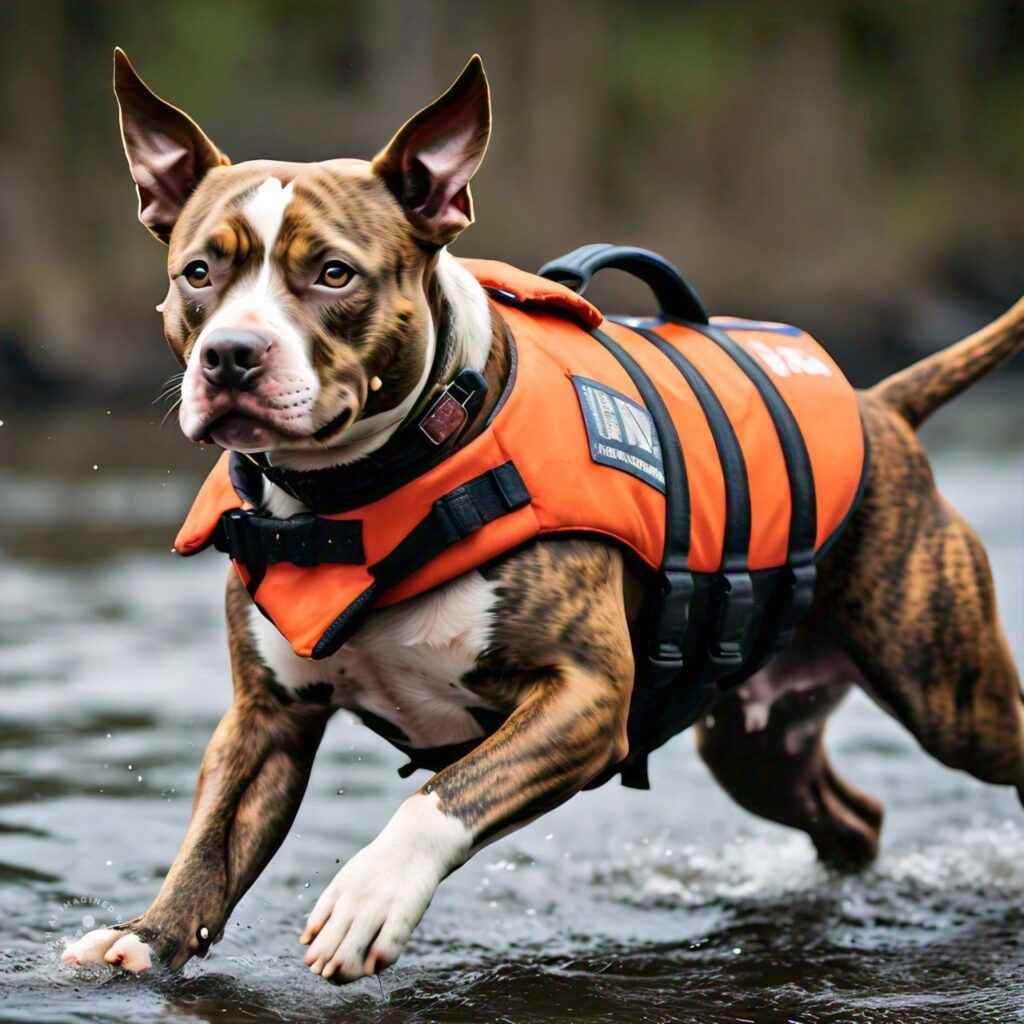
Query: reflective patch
621,432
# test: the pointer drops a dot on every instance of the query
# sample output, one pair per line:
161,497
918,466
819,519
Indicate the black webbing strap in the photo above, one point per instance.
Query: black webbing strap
671,615
305,540
453,517
734,628
803,525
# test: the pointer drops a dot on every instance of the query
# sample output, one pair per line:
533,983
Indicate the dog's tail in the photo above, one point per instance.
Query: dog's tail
916,392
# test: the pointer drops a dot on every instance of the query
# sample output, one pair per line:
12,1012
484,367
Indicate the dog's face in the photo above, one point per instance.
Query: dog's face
300,294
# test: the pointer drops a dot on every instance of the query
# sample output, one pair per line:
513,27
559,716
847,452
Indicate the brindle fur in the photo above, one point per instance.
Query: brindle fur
382,323
904,606
906,595
252,779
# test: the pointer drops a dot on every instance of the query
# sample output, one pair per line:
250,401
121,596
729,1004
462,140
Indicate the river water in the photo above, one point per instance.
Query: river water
672,905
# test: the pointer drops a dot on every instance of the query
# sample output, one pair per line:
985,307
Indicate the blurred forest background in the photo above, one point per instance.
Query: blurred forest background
856,167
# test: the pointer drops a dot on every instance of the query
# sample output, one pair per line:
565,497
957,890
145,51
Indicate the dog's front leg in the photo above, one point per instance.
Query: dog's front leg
569,728
569,724
251,782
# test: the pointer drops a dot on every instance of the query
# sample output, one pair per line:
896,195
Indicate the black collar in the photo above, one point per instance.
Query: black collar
448,403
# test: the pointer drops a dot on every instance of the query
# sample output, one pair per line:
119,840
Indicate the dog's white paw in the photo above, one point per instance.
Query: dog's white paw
364,918
112,946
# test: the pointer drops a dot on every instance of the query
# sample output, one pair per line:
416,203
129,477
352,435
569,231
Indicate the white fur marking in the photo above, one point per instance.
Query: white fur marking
264,210
404,663
111,946
471,312
365,916
257,302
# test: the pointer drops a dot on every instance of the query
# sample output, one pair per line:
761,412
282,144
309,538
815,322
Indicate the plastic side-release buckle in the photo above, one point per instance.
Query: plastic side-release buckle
672,619
233,536
728,648
456,516
800,593
795,599
242,546
804,577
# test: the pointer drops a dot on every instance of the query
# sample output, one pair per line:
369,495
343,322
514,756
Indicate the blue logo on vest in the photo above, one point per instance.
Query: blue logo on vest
621,432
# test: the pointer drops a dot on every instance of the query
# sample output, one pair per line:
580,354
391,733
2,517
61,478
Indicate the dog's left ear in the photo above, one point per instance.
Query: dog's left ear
167,151
430,161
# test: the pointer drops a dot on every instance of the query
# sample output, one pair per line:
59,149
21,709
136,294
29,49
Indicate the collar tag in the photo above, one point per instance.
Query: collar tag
445,417
450,413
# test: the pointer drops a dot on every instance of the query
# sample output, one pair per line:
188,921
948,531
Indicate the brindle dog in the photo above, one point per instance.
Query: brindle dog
302,303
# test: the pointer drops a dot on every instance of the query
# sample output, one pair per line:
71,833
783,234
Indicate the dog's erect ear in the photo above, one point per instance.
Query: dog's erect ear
430,161
167,151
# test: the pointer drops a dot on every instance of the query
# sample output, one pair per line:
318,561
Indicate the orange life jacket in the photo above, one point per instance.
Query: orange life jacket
725,455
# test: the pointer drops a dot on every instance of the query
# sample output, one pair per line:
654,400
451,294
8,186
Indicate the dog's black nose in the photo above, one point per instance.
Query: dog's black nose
233,358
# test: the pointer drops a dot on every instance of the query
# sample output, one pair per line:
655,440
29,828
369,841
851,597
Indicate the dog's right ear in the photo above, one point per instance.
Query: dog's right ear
167,151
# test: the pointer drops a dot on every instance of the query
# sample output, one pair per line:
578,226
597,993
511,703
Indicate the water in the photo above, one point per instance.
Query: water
672,905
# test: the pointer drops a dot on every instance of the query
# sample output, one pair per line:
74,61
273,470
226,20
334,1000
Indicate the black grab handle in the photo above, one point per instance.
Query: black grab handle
675,295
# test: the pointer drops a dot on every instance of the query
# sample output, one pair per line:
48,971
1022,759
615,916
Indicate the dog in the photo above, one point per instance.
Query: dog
334,275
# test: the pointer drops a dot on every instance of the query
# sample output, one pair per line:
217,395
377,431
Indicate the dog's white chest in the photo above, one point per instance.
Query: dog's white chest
405,664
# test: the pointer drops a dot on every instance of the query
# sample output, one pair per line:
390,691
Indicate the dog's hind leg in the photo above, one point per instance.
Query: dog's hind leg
764,745
909,594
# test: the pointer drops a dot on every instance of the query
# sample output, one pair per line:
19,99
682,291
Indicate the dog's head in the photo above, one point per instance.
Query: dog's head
300,294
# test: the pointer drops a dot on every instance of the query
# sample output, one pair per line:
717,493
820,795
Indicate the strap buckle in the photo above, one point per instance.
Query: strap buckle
794,598
800,592
232,538
305,540
456,516
735,609
671,619
295,540
465,509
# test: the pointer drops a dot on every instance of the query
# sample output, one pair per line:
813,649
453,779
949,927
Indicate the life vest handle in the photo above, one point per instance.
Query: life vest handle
676,297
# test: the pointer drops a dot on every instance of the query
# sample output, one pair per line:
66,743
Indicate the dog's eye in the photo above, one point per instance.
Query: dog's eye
335,274
197,273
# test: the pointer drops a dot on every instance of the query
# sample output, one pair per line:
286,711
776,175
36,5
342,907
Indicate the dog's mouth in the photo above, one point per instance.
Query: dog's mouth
240,431
247,431
335,425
